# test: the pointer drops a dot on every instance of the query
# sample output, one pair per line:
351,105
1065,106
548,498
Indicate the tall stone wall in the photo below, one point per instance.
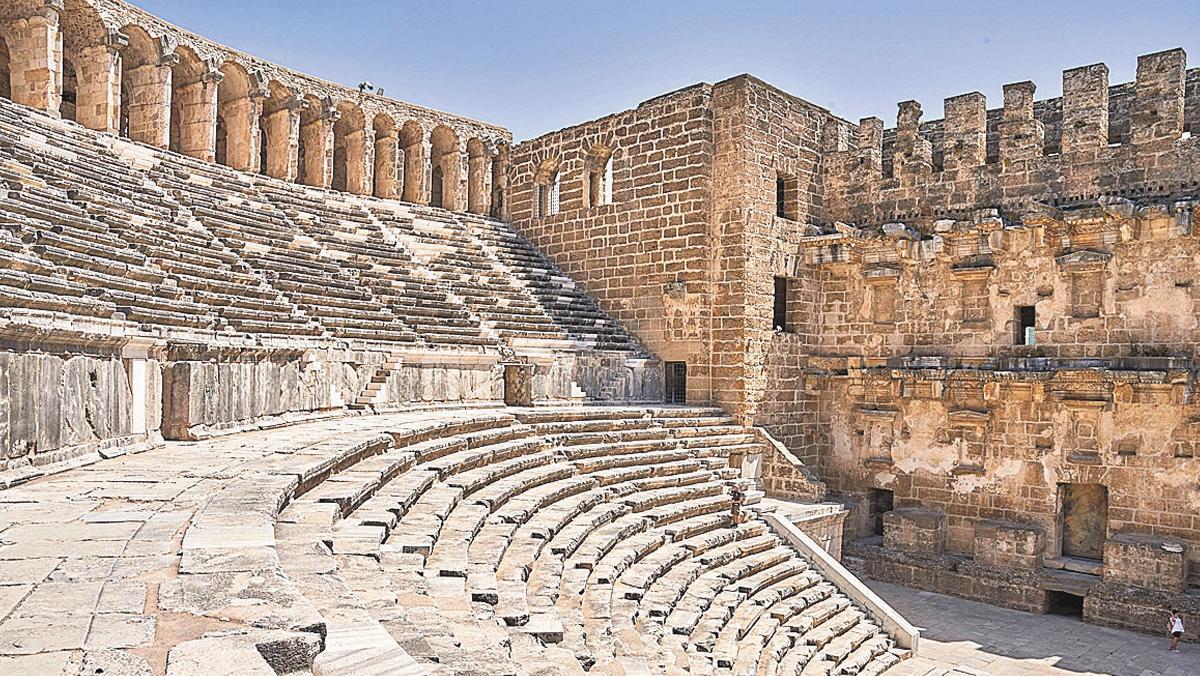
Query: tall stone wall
646,255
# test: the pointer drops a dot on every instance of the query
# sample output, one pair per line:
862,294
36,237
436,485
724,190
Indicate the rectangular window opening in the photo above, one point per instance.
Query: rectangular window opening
1026,325
787,194
780,321
676,382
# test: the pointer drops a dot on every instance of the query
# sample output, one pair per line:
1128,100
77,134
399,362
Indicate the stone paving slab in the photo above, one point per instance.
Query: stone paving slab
967,638
164,562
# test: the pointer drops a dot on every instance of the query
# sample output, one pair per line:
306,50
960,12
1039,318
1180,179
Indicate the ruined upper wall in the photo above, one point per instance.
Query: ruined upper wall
113,17
1131,139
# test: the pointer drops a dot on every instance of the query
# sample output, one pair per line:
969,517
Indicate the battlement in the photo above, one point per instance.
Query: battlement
1132,139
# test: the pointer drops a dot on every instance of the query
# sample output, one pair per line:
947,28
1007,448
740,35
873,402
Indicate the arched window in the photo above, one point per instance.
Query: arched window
548,188
349,151
598,182
314,144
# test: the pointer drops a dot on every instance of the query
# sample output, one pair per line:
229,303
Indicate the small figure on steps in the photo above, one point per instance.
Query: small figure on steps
735,506
1176,624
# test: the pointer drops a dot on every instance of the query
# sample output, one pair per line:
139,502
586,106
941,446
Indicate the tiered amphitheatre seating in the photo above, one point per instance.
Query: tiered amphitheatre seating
61,189
96,226
390,272
322,285
563,541
118,235
457,259
569,306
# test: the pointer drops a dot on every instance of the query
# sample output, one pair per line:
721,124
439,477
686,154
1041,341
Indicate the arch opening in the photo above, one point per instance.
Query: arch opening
68,105
275,130
193,106
499,181
235,124
145,109
349,149
444,162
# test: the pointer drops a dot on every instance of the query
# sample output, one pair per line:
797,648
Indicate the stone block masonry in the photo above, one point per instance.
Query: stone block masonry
988,318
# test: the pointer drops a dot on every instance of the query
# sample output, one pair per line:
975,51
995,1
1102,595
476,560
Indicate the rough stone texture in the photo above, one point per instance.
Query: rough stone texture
907,256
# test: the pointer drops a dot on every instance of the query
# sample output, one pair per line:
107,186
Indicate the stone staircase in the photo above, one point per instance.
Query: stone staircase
564,540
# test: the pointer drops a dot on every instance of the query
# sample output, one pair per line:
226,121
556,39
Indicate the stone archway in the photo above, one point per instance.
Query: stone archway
349,149
145,90
237,119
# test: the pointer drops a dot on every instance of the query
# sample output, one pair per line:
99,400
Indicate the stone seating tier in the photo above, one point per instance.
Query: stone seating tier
563,541
102,227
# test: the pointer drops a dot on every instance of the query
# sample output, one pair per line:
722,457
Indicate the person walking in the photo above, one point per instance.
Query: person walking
1176,624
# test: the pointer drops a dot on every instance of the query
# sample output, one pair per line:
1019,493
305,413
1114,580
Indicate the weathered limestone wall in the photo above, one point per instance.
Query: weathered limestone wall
644,256
204,395
598,376
56,407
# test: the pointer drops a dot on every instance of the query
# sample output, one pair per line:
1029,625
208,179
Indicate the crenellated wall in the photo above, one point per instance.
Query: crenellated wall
1130,139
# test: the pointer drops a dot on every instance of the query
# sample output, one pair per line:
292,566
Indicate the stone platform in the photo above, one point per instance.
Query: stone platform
967,638
474,540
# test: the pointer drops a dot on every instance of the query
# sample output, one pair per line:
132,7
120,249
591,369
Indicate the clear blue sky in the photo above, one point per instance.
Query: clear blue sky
537,66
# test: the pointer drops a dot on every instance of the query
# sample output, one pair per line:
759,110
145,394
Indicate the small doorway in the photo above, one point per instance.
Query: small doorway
676,382
1084,520
435,188
1064,603
880,502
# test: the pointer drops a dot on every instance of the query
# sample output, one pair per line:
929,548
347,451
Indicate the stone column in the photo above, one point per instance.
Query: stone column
198,116
149,88
35,58
477,184
242,132
283,138
98,84
385,165
356,163
318,150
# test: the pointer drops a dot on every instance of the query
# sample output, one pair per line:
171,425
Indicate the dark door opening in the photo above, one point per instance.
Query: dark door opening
1064,603
676,382
881,502
1084,520
780,305
1025,324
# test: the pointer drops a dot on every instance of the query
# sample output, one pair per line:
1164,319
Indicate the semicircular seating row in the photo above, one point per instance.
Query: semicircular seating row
82,233
563,541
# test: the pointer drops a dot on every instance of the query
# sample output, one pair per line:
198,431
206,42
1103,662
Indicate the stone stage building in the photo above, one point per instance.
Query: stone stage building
295,377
